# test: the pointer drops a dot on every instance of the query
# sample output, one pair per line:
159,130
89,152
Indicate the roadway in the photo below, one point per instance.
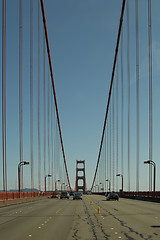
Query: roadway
57,219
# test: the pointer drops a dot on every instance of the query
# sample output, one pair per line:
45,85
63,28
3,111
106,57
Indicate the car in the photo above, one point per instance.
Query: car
106,194
64,195
77,195
54,195
112,196
71,193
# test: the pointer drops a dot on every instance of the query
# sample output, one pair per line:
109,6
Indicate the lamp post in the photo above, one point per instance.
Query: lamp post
97,186
56,184
107,180
120,175
61,185
102,186
49,175
19,177
154,165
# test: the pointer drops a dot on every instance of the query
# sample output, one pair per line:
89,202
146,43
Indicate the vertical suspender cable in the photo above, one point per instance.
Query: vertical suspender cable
51,137
4,95
39,132
31,90
107,155
44,95
54,91
137,93
122,103
110,146
20,93
128,73
110,90
105,161
113,144
49,128
150,89
117,128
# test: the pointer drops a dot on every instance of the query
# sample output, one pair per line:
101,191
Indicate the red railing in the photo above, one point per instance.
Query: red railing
17,195
141,194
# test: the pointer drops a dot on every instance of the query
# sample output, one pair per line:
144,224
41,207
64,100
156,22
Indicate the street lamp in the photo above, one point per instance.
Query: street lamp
97,186
120,175
19,177
107,180
102,186
49,175
56,184
61,185
154,165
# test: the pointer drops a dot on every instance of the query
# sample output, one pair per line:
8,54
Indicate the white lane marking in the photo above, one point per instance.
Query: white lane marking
42,224
30,235
119,237
112,228
39,227
45,221
116,233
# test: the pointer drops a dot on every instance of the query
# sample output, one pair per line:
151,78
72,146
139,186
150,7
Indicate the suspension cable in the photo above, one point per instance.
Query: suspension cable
137,93
4,95
110,91
20,93
53,85
150,90
128,75
31,92
39,99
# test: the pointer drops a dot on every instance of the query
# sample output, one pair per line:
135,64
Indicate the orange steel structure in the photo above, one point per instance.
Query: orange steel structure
82,177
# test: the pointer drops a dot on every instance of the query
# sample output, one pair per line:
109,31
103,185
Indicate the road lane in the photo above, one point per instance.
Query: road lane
130,219
67,219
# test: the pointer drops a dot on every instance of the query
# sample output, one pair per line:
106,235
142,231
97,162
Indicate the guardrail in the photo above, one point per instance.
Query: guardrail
141,194
21,195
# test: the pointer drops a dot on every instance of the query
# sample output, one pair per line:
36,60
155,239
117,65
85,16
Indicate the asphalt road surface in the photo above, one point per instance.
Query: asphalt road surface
79,219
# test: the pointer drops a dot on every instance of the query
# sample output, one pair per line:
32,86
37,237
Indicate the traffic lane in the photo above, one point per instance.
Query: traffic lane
56,225
82,225
88,224
14,211
134,218
11,227
141,217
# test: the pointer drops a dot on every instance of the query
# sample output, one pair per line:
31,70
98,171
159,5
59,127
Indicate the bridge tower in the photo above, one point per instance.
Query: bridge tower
80,175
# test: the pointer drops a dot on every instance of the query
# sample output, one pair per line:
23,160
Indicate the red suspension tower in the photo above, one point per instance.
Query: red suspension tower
81,176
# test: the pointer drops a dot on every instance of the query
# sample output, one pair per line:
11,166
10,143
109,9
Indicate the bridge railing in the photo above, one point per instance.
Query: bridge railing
21,195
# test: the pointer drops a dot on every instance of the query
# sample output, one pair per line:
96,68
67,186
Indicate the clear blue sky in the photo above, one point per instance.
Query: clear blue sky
82,37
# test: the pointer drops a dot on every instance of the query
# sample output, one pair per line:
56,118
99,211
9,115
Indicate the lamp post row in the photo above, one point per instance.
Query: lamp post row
120,175
48,175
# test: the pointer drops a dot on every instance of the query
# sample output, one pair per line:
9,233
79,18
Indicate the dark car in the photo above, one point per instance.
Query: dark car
77,195
64,195
71,193
112,196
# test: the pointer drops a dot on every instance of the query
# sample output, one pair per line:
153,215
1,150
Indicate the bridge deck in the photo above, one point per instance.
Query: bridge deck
67,219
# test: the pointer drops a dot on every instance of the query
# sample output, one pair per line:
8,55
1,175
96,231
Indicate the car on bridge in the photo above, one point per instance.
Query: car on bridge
77,195
112,196
54,195
64,195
